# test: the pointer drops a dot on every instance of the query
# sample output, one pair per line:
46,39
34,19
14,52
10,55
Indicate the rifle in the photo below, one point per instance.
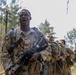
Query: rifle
25,57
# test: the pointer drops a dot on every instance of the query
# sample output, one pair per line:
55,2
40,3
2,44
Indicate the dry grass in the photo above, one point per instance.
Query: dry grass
73,69
1,70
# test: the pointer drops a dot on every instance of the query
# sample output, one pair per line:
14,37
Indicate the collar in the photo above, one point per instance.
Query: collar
25,33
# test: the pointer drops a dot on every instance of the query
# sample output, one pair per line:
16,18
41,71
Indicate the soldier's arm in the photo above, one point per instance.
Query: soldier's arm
6,59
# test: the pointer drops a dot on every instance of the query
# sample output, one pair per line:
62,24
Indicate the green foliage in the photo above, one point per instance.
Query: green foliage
13,1
45,28
2,29
71,36
11,17
3,2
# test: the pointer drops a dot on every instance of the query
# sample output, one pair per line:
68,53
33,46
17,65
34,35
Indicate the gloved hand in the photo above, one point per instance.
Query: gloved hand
34,57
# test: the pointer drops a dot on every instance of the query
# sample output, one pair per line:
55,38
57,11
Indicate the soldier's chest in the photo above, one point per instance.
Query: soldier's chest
28,41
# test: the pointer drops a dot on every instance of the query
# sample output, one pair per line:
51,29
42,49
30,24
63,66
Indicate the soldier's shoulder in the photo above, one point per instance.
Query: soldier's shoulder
7,36
37,31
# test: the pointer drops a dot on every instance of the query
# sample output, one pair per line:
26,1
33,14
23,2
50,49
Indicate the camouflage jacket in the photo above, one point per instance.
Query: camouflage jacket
29,40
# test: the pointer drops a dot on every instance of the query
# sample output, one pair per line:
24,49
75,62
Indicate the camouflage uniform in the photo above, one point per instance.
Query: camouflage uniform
69,60
61,61
52,64
67,55
29,40
57,68
57,62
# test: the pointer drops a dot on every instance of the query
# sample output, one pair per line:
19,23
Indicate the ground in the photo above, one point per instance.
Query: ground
73,70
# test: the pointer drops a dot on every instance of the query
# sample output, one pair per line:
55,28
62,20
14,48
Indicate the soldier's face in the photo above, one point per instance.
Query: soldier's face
25,17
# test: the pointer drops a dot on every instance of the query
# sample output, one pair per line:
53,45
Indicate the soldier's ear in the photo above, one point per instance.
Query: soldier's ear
30,18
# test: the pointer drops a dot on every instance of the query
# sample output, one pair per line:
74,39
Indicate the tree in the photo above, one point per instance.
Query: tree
46,29
9,15
13,16
71,36
13,1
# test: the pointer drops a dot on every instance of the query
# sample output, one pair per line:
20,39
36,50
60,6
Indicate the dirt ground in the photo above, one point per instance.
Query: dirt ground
73,70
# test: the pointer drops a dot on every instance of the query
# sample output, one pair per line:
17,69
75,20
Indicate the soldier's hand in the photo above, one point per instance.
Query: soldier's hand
35,57
57,59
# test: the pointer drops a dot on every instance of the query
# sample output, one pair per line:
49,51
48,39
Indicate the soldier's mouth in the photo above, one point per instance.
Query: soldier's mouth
24,20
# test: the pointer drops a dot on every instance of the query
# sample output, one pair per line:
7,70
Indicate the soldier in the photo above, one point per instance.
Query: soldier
56,58
69,57
61,58
57,62
55,52
29,39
